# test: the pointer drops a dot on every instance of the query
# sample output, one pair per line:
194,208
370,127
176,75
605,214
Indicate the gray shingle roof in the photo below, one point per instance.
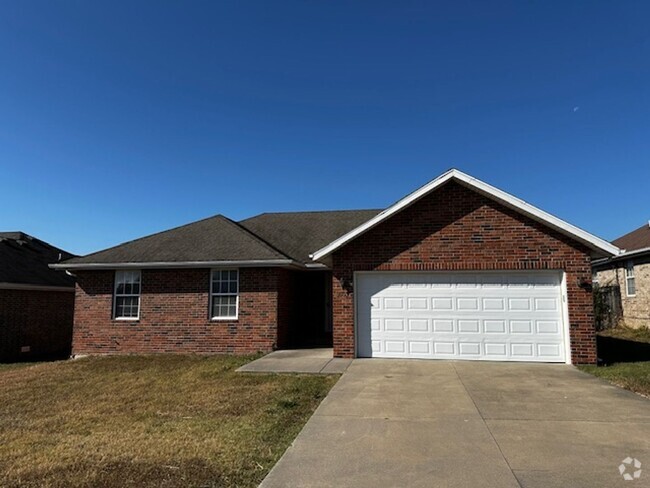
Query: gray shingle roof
297,234
24,260
213,239
266,237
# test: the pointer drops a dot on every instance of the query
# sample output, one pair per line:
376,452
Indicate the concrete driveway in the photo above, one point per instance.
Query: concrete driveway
393,423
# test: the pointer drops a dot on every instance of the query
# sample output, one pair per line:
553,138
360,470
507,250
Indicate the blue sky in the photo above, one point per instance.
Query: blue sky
119,119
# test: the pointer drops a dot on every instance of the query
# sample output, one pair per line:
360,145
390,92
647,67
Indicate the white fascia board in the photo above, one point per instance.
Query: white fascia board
635,252
595,243
27,287
180,264
624,255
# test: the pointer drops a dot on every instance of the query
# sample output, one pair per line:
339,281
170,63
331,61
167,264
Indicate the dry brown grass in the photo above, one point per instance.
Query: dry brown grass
140,421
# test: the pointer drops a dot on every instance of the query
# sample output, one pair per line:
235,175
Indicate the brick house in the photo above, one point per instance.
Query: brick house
36,302
458,269
629,272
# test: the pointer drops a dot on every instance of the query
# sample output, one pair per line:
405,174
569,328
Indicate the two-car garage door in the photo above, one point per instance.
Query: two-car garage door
514,316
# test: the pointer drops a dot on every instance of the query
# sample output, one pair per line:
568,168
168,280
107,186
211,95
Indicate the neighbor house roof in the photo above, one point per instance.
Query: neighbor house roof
633,244
213,241
297,234
635,240
596,244
24,263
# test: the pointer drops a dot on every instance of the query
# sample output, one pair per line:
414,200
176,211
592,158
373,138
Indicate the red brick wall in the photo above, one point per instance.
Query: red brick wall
458,229
41,320
174,314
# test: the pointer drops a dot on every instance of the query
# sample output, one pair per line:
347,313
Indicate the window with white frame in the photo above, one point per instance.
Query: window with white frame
630,284
127,295
224,293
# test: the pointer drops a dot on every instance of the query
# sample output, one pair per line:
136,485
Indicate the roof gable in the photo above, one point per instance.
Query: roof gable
596,244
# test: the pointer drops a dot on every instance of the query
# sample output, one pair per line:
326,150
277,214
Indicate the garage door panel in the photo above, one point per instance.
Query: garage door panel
442,303
418,325
417,303
496,349
489,316
443,325
494,326
468,326
443,348
420,347
548,326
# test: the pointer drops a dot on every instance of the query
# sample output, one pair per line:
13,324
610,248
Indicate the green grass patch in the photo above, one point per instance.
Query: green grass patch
145,421
632,376
639,335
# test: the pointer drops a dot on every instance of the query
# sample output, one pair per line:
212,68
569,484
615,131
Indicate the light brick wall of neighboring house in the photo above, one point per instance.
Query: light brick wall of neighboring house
174,314
38,320
636,309
457,229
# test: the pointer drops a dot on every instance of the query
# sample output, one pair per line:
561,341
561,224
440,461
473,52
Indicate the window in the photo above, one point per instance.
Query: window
224,291
127,295
630,284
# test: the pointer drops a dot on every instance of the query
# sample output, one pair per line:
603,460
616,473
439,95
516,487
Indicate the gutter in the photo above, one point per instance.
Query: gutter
268,263
620,257
28,287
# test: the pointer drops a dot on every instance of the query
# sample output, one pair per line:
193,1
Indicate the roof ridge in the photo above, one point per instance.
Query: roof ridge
313,211
152,235
255,237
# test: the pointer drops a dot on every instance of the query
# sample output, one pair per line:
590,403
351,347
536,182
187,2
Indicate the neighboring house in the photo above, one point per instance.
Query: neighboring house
36,302
629,273
456,270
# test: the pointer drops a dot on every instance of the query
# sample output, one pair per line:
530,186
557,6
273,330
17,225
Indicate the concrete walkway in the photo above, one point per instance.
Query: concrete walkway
317,361
393,423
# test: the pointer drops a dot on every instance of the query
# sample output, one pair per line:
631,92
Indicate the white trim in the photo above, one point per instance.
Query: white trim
620,257
635,251
115,295
27,287
356,310
181,264
595,243
565,318
629,264
212,295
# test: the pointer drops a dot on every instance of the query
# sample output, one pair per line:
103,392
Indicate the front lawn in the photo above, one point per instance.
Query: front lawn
632,376
145,421
8,366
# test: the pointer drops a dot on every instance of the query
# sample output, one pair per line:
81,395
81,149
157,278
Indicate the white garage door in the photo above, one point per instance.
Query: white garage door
482,316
